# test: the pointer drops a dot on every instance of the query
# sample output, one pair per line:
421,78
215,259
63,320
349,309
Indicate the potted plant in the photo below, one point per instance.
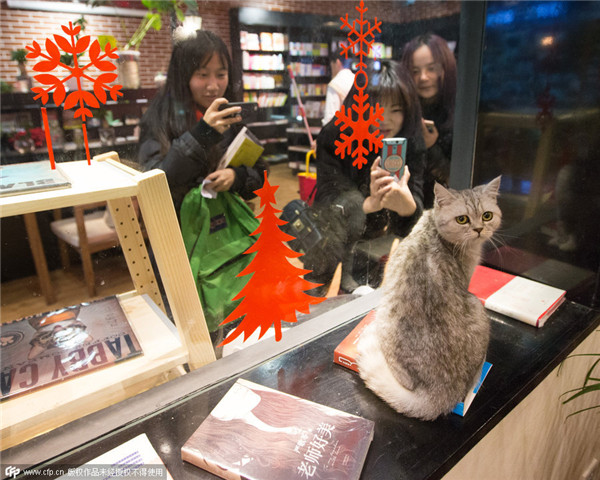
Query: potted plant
23,83
20,56
129,54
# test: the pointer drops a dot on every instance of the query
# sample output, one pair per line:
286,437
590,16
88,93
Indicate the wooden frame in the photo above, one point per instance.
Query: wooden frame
106,179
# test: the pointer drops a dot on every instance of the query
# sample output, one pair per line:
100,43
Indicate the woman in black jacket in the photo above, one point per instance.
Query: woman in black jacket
183,131
356,203
433,68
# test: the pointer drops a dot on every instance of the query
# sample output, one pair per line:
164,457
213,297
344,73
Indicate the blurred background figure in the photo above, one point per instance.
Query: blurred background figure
433,68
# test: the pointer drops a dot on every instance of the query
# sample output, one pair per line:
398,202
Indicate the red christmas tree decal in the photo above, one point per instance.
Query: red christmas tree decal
276,290
362,119
79,97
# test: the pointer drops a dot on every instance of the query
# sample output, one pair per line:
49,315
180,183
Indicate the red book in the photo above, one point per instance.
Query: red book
517,297
256,433
345,352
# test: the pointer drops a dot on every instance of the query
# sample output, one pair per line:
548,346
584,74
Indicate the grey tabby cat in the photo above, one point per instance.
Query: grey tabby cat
429,340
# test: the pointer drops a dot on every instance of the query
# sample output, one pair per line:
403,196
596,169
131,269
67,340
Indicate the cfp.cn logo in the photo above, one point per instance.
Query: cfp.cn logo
11,471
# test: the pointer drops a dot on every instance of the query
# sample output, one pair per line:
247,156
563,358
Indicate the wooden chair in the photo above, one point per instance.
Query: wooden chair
87,233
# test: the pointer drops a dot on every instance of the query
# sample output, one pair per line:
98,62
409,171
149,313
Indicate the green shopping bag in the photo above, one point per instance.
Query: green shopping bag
216,233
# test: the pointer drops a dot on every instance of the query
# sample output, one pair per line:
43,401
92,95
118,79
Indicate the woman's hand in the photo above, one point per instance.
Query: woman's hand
221,120
397,196
380,178
221,180
430,132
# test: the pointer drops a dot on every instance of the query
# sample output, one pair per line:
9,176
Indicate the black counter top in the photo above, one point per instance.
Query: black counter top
522,356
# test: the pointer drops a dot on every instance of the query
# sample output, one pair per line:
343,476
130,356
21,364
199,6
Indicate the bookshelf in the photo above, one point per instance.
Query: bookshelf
264,43
166,347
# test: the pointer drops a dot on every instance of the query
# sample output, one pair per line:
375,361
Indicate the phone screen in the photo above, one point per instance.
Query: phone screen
393,156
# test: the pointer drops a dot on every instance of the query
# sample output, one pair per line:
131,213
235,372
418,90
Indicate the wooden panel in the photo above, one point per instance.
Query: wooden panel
537,440
134,248
90,183
176,275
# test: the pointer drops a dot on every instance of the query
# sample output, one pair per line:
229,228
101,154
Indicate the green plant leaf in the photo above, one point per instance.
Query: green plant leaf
103,40
582,410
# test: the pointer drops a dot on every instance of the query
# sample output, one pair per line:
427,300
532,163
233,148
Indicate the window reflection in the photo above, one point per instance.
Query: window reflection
539,115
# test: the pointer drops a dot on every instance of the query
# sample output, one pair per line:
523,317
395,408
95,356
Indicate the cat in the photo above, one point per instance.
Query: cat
429,340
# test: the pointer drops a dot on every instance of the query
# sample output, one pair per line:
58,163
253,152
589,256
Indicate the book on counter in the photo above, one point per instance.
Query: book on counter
346,352
245,149
256,432
30,177
135,458
40,350
517,297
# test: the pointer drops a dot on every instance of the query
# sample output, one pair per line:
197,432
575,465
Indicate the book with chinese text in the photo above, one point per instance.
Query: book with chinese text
19,178
345,355
517,297
258,433
245,149
40,350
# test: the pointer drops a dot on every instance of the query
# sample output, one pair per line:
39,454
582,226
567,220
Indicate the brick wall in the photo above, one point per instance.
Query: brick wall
19,28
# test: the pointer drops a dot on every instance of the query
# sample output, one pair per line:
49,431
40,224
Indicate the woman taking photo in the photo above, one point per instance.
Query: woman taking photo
433,69
184,133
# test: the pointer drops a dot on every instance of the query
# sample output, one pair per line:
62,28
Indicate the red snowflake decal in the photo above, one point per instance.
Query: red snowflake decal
361,118
78,98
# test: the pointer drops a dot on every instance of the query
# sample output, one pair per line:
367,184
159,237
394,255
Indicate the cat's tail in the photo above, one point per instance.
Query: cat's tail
377,375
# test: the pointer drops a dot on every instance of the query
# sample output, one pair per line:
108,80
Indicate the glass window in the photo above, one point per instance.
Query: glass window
538,118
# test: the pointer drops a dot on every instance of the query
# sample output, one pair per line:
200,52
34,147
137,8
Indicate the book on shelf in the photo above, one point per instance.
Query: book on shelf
31,177
136,458
345,354
43,349
266,41
256,432
245,149
462,407
517,297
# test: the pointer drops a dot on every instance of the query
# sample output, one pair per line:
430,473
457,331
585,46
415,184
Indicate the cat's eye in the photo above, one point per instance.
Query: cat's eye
487,216
462,219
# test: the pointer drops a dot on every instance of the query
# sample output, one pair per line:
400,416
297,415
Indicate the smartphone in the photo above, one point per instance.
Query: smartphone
393,157
249,109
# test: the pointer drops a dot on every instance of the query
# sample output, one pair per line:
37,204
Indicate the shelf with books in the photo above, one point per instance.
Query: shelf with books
107,180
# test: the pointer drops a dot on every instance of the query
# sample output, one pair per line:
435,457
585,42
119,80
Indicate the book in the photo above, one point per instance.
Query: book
346,352
135,458
517,297
245,149
462,407
256,432
31,177
43,349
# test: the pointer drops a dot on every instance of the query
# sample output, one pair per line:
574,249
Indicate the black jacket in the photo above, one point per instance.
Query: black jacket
437,163
193,156
335,177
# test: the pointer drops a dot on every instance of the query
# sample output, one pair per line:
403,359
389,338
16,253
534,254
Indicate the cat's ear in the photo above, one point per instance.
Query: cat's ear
493,188
442,195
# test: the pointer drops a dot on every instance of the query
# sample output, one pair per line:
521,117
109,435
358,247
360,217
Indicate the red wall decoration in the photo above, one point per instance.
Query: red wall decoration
51,60
361,118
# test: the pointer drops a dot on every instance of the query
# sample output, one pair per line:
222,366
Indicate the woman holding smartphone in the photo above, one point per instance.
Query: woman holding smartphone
433,68
188,125
364,203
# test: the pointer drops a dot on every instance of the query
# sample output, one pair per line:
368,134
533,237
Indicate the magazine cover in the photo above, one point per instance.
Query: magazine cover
51,347
30,177
256,432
